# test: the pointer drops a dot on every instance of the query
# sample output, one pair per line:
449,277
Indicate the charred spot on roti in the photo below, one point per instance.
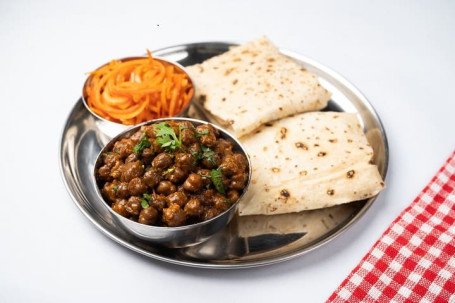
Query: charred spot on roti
303,173
223,99
202,99
271,59
228,71
301,145
350,174
349,140
330,192
280,108
333,140
230,122
283,132
287,159
265,148
235,81
382,184
322,154
285,193
276,169
201,69
269,124
316,145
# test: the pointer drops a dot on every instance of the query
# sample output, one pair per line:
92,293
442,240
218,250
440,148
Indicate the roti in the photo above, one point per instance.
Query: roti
253,84
309,161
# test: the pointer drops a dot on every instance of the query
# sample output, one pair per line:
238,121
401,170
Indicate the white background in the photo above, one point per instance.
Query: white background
400,54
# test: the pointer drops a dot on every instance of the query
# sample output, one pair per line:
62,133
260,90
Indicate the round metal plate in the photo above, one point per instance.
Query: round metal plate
249,240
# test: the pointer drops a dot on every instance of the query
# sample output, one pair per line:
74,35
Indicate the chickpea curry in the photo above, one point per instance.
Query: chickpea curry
172,173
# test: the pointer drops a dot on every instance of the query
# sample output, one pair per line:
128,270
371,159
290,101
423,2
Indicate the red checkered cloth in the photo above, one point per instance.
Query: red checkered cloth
414,260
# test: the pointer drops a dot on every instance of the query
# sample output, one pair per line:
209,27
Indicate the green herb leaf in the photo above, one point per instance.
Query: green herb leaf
144,203
204,132
166,137
217,180
115,187
208,153
145,200
169,170
144,143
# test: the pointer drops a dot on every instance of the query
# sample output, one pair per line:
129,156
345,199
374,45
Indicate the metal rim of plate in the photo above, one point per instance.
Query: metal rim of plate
80,140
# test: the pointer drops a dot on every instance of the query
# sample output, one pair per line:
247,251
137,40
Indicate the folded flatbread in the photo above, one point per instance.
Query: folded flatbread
309,161
253,84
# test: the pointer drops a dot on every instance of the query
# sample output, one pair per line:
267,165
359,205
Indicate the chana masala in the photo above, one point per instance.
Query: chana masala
172,173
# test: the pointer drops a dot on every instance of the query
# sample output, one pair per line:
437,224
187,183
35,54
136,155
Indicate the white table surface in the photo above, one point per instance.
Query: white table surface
400,54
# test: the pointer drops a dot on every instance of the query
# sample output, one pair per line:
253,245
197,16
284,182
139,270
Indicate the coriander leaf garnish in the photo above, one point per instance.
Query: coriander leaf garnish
204,132
145,200
169,170
208,153
166,137
144,203
144,143
217,180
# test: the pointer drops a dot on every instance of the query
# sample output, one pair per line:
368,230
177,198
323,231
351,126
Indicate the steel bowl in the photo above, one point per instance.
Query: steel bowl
108,129
181,236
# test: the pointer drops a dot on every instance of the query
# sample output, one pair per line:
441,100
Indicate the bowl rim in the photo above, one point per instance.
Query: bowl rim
136,127
181,67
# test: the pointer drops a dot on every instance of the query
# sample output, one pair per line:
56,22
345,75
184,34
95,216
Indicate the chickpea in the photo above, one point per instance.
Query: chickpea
166,188
238,181
174,215
158,202
178,198
193,207
162,161
151,178
211,213
233,195
148,216
120,207
137,187
133,207
177,176
193,183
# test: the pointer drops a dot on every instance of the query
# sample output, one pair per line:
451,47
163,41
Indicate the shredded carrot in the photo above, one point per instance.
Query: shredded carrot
137,90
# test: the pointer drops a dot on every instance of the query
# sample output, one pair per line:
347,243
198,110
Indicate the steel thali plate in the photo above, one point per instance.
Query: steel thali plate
248,241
